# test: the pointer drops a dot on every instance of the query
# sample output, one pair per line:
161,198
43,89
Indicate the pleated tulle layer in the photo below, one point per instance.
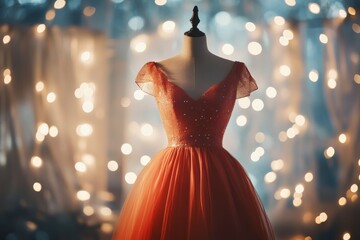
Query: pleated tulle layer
193,193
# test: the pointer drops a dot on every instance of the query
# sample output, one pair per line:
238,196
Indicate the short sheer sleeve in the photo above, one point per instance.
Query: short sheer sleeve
246,83
144,79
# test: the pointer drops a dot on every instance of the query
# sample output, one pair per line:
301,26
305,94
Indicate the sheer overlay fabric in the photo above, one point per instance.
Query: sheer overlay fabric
194,188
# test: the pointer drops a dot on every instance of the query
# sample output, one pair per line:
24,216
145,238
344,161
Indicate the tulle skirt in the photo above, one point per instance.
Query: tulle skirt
193,193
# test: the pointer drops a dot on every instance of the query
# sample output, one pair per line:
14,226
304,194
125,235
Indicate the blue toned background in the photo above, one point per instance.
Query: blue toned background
75,131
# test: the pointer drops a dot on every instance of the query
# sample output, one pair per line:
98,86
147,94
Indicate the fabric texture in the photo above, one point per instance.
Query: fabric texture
194,188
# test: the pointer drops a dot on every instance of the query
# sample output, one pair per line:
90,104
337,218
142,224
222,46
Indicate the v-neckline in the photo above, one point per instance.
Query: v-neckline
227,76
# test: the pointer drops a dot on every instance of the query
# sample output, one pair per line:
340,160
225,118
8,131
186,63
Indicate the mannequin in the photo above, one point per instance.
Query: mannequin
195,68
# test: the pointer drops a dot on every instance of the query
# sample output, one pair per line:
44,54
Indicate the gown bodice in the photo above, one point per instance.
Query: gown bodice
195,122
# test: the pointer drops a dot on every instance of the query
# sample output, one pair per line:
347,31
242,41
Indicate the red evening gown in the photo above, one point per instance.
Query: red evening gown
194,188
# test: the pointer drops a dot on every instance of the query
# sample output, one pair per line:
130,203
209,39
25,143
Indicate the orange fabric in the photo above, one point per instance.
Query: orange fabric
194,189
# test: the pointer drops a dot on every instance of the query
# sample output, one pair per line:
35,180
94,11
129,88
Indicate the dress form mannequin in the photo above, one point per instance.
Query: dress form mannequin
195,68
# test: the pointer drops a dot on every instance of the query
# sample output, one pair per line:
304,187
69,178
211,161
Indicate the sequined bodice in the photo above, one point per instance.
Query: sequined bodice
195,122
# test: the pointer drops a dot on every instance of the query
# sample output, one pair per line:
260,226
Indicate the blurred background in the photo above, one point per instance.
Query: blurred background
75,131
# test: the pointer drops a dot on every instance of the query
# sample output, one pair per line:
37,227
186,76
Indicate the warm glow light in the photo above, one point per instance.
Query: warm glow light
51,97
126,148
271,92
244,102
43,129
356,27
50,15
277,164
300,120
323,217
255,157
59,4
112,165
130,177
285,193
259,137
80,167
105,211
53,131
291,133
308,177
88,210
227,49
357,78
323,38
354,188
144,160
84,130
37,187
6,39
299,188
36,161
146,129
342,201
346,236
39,137
342,138
313,75
89,11
250,26
88,106
125,102
39,86
288,34
140,47
329,152
241,120
314,8
7,79
83,195
285,70
138,94
283,41
222,18
6,72
290,3
297,202
332,73
342,13
282,136
41,28
168,26
254,48
351,11
86,57
270,177
279,20
317,220
160,2
257,105
331,83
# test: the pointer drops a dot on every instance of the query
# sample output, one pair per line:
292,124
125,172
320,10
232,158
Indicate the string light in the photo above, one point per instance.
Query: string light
244,102
257,105
308,177
241,120
80,167
351,11
323,38
41,28
89,11
331,83
259,137
277,165
139,95
346,236
342,201
227,49
59,4
313,75
146,129
105,211
279,20
290,3
160,2
126,148
37,187
144,160
130,177
329,152
251,27
342,138
50,15
84,130
270,177
39,86
113,165
254,48
285,70
271,92
83,195
36,161
357,78
168,26
6,39
88,210
51,97
314,8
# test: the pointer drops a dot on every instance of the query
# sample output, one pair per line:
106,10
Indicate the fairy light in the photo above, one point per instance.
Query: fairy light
351,11
271,92
88,106
227,49
283,41
36,161
323,217
285,70
222,18
86,57
300,120
168,26
285,193
126,148
342,138
299,188
270,177
290,3
354,188
279,20
130,177
329,152
244,102
342,201
288,34
39,86
7,79
144,160
356,27
88,210
357,78
41,28
297,202
105,211
250,26
112,165
139,95
308,177
37,187
342,13
277,165
241,120
314,8
59,4
282,136
6,39
313,75
83,195
43,129
146,129
80,167
89,11
346,236
84,130
50,15
160,2
51,97
323,38
254,48
257,105
331,83
259,137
